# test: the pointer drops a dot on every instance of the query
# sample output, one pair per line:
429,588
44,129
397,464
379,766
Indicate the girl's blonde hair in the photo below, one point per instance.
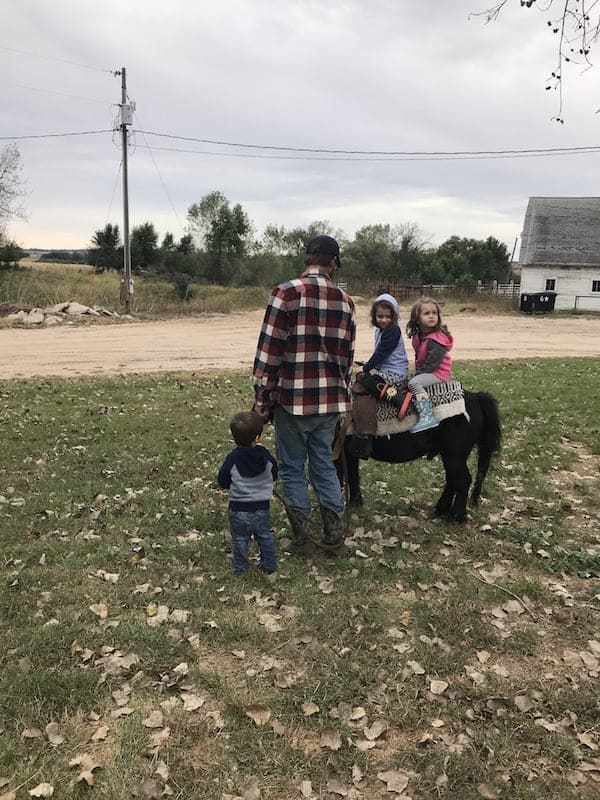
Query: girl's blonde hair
412,326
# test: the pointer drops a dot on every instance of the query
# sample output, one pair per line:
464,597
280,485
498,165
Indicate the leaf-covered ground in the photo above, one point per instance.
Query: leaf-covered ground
429,661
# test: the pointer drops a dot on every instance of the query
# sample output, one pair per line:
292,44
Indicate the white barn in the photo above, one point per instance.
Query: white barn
560,251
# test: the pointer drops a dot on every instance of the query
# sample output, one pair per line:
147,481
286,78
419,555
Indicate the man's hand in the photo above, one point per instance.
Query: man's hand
263,404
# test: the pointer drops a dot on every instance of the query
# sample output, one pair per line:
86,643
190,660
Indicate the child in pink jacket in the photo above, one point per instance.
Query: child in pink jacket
432,343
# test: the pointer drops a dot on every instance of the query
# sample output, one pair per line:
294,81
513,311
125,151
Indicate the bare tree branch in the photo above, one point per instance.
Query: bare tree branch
12,189
576,26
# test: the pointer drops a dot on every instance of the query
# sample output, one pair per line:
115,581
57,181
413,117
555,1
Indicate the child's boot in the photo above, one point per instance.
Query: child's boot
400,400
427,418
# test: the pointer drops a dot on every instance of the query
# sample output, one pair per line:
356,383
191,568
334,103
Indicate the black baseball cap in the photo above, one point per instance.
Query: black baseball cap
324,245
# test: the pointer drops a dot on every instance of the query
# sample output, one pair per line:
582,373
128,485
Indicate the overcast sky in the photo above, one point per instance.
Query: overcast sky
382,75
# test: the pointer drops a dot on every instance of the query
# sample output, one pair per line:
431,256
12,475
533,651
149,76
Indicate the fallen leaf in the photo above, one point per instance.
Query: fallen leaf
357,774
331,739
375,730
271,622
308,709
395,781
337,787
162,770
364,745
523,702
53,734
192,702
157,740
86,762
100,733
100,610
487,791
86,777
31,733
258,713
438,687
587,740
155,720
306,789
326,585
42,790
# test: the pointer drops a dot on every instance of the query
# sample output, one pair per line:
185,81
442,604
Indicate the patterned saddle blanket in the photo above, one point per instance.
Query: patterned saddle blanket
447,399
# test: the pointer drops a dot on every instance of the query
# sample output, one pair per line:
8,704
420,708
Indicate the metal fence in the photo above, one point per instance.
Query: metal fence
403,292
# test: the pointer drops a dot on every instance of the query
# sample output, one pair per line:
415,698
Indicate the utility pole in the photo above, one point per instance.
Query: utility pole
126,119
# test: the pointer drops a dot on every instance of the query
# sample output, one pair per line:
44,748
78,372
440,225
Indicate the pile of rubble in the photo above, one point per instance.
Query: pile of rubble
54,315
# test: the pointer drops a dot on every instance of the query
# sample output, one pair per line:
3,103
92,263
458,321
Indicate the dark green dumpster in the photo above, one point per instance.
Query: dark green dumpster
537,302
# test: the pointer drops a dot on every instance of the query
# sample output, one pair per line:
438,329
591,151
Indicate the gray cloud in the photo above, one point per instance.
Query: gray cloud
383,76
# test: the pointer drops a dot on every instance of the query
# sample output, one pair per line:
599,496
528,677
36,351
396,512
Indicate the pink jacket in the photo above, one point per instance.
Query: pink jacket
444,371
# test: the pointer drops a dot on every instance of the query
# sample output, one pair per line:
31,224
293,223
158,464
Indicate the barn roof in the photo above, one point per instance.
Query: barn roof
561,230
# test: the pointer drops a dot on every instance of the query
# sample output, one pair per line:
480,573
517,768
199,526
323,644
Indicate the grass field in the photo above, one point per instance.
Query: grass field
430,661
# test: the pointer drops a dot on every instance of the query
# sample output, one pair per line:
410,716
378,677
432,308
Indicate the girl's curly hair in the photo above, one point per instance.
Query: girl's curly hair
412,326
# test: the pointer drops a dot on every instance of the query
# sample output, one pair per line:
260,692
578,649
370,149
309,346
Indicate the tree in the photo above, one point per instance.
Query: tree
223,230
186,244
143,243
471,260
385,250
576,30
12,188
168,242
10,254
105,252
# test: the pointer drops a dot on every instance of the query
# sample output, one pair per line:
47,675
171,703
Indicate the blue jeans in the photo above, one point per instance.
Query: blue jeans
299,439
245,525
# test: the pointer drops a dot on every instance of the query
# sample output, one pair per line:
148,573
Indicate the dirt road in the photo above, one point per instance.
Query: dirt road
219,342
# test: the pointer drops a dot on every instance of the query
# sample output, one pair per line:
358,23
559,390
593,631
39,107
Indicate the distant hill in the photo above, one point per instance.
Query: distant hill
66,256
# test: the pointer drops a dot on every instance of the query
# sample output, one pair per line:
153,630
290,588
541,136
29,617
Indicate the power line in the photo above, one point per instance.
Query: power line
370,152
372,156
432,157
164,185
53,58
61,94
53,135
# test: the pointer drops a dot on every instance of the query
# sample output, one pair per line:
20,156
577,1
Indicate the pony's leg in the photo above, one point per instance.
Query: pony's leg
352,475
443,506
453,502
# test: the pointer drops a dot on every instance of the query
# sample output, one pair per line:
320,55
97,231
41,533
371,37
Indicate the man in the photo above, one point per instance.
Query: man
302,365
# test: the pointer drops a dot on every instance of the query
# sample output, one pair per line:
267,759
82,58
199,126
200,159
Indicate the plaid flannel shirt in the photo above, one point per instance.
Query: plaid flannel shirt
306,345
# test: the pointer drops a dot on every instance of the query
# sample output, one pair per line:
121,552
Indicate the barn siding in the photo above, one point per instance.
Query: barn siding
561,241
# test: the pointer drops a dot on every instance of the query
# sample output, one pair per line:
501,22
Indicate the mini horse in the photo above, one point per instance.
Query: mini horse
453,440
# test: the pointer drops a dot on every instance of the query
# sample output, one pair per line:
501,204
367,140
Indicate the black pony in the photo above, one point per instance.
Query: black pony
453,441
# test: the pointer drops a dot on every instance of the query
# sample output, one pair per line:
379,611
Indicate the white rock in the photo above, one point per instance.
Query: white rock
76,308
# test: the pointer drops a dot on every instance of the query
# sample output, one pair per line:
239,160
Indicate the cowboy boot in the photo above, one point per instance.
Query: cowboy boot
301,544
334,528
424,409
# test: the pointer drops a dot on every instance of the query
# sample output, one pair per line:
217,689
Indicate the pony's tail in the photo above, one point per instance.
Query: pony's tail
489,441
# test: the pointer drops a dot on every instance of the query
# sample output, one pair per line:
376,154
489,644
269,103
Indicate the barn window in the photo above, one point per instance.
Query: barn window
550,284
595,286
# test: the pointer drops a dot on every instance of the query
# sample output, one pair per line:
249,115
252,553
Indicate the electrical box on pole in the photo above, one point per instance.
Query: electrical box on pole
127,110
